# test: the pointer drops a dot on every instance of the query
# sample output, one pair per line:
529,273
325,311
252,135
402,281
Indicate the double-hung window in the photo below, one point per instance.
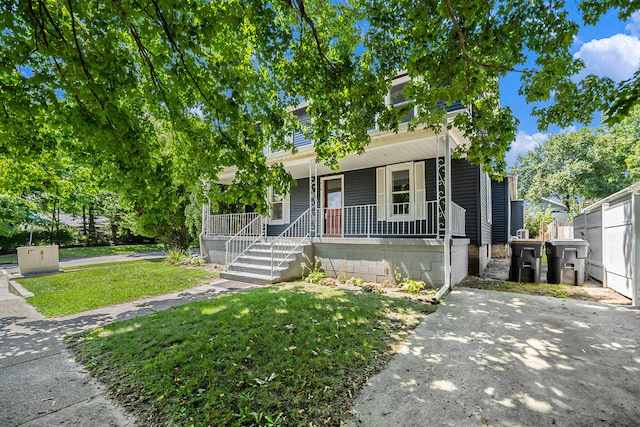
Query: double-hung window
279,208
401,192
400,187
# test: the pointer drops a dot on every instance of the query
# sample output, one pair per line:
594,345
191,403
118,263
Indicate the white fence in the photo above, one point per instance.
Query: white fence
612,228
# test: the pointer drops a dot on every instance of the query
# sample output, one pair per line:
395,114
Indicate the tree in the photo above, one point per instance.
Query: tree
222,76
582,166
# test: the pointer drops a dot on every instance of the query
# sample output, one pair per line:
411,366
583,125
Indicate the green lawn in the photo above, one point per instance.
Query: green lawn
85,252
89,287
289,354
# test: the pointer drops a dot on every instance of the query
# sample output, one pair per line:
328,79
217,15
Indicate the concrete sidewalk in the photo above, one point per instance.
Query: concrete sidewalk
501,359
101,259
40,384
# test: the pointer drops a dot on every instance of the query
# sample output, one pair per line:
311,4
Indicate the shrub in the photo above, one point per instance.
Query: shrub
62,237
356,281
411,286
316,273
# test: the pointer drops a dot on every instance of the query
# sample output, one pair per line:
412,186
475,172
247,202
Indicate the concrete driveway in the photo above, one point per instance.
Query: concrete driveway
500,359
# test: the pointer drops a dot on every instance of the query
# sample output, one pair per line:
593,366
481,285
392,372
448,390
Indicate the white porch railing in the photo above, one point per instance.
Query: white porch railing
227,224
458,217
244,239
399,219
290,240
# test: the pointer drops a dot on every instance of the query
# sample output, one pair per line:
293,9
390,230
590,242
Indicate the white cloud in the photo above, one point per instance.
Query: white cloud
523,143
633,27
617,57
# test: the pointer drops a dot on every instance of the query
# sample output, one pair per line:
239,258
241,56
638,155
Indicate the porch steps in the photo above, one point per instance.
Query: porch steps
254,266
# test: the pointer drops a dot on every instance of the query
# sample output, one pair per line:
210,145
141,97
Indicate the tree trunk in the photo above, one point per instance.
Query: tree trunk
84,220
92,220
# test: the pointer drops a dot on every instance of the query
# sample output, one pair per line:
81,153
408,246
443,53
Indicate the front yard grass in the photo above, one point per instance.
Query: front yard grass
89,287
289,354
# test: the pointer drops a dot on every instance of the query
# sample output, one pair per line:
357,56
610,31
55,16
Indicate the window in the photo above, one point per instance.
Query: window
397,99
279,204
401,192
276,206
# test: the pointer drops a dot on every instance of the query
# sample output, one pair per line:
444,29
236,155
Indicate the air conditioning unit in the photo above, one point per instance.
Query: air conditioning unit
523,233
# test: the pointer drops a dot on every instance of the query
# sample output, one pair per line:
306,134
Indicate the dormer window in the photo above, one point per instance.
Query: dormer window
397,99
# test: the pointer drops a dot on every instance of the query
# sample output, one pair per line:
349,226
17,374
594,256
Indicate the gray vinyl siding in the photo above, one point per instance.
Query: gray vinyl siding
360,187
485,210
517,216
500,206
299,139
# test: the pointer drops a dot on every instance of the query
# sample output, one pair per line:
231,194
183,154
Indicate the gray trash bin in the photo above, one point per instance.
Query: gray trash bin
566,259
526,260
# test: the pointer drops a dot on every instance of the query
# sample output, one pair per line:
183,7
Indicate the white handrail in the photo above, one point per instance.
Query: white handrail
244,239
290,240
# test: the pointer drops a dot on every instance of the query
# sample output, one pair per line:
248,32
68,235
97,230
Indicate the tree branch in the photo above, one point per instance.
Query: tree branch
176,49
305,17
463,47
81,56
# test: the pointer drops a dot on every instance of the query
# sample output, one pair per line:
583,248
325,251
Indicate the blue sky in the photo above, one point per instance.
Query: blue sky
610,48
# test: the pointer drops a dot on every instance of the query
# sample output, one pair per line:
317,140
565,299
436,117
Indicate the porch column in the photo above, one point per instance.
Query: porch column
444,223
447,207
313,198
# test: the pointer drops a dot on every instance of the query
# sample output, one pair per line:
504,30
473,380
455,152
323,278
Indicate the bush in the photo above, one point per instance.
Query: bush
62,237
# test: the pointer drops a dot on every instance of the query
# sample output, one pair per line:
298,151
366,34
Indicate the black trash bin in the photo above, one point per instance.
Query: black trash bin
566,259
526,259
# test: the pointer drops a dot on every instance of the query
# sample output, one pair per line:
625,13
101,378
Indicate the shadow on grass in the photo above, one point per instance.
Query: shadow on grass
293,353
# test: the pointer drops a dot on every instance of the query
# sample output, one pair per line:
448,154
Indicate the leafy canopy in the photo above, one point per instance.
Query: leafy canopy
582,166
202,85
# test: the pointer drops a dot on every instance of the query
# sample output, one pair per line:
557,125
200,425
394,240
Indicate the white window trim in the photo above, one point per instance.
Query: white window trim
286,209
417,192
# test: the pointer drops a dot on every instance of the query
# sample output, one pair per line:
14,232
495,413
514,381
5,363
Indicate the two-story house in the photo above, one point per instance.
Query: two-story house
402,204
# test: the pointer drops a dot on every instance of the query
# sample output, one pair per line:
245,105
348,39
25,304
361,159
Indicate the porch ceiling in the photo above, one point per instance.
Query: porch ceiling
384,149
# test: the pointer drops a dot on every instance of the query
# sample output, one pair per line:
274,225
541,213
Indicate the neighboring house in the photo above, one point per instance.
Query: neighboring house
508,215
385,210
611,226
558,209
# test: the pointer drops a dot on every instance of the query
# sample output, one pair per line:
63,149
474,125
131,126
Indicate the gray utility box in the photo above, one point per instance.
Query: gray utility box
526,260
38,259
566,260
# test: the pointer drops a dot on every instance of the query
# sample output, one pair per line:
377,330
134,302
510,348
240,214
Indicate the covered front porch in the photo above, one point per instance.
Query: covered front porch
342,222
394,199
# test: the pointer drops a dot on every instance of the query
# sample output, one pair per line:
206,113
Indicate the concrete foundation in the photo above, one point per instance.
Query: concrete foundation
500,251
374,259
479,257
212,248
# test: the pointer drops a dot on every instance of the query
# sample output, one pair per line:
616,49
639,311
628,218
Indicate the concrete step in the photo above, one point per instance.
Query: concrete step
262,260
256,279
251,268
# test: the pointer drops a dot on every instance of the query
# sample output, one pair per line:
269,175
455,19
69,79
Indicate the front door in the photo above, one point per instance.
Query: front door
332,189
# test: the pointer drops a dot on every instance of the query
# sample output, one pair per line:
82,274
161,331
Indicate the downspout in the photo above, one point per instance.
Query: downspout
447,216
